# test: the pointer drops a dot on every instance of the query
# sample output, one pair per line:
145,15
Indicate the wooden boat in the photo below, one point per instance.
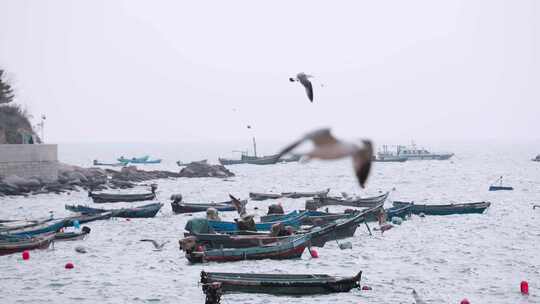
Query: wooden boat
263,196
47,227
145,211
10,244
220,226
98,163
182,164
311,217
99,198
202,207
497,186
291,159
318,202
323,193
228,162
263,160
87,218
280,284
448,209
399,211
9,225
137,159
73,236
289,249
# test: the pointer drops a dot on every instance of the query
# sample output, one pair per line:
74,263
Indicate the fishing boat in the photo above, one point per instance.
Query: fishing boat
228,162
447,209
87,218
255,196
498,186
73,235
98,163
47,227
220,226
139,160
320,201
99,198
178,207
537,158
289,249
262,160
311,217
280,284
322,193
12,244
9,225
257,160
414,153
201,162
145,211
399,211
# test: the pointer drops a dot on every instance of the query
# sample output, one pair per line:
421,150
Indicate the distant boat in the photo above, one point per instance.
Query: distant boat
449,209
257,160
182,164
386,156
139,160
98,163
499,186
414,153
537,158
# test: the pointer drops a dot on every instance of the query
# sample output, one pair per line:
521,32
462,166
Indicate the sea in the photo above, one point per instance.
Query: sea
481,257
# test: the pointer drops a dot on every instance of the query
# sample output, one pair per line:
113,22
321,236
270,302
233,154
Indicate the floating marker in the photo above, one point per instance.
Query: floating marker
365,287
69,265
524,286
314,254
465,301
26,255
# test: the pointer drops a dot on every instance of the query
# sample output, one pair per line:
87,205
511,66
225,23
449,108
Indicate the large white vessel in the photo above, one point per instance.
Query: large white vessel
414,153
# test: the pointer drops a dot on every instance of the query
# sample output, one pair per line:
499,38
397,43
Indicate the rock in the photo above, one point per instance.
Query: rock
205,170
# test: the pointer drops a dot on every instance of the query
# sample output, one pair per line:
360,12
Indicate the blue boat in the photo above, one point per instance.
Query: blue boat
499,187
51,226
220,226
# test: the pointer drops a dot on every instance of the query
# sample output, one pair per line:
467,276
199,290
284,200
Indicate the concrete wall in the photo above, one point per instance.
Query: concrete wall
29,161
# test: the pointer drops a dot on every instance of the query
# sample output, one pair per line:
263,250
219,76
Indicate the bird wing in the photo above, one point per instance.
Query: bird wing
417,298
362,162
308,86
240,207
319,137
152,241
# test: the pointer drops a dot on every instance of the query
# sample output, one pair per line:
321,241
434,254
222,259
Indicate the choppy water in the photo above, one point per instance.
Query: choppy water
480,257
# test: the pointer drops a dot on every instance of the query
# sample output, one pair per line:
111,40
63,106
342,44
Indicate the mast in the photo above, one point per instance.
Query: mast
254,147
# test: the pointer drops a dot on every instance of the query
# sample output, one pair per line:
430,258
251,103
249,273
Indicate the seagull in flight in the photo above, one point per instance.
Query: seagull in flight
327,147
238,204
417,298
157,245
304,80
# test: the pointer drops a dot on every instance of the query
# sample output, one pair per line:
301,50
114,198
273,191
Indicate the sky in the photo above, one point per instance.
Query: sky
173,71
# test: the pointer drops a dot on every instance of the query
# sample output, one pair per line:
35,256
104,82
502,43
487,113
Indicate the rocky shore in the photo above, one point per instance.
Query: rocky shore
74,178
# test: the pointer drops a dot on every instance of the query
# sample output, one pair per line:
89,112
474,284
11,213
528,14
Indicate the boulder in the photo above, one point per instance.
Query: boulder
205,170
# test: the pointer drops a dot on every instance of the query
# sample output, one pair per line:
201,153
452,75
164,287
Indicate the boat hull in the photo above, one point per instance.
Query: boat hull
450,209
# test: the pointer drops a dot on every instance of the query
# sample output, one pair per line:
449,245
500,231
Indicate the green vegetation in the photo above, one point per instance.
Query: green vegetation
14,121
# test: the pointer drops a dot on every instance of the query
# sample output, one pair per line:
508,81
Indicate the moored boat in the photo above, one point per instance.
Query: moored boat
12,244
414,153
202,207
399,211
318,201
232,226
255,196
322,193
73,235
448,209
145,211
280,284
119,197
498,186
289,249
98,163
182,164
47,227
537,158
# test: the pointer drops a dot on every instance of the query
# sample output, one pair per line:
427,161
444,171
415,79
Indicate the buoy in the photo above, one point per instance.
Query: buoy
524,286
69,265
314,254
465,301
366,287
26,255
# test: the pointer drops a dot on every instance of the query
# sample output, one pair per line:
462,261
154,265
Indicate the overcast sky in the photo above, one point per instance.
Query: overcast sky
202,70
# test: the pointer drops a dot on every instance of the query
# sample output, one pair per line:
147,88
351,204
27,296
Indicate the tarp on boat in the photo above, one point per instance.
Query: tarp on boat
198,226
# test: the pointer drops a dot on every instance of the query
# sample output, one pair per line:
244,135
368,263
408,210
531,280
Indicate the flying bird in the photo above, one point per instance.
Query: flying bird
240,207
304,80
157,245
328,147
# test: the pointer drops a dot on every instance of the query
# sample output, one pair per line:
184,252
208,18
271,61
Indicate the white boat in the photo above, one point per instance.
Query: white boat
414,153
387,156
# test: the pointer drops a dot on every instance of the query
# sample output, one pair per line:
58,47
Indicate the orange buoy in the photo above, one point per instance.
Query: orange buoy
26,255
465,301
314,254
69,265
524,286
